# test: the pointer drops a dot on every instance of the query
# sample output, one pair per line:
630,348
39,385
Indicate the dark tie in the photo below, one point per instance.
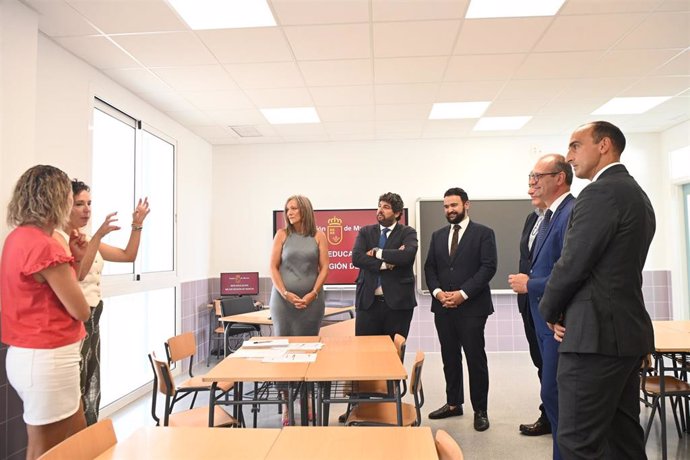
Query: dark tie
454,241
543,228
382,243
384,237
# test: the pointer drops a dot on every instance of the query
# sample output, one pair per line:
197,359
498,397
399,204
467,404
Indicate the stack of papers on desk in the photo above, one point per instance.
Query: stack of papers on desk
305,346
258,353
259,343
291,358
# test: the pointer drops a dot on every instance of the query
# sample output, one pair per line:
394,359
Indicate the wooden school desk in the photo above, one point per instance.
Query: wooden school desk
184,443
241,370
356,358
347,443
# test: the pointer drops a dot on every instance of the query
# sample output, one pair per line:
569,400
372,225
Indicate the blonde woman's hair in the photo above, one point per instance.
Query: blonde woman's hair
306,211
41,197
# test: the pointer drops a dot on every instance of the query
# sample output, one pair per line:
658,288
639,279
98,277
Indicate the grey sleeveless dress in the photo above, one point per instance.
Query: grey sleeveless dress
299,268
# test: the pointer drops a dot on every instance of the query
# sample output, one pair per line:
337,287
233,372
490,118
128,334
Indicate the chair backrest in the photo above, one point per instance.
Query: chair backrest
400,345
446,447
181,347
340,329
416,385
236,305
87,444
163,382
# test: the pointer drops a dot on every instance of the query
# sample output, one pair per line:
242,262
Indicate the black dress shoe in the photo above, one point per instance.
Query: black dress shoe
446,411
481,420
538,428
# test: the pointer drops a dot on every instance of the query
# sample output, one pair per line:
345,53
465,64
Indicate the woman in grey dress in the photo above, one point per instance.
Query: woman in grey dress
299,265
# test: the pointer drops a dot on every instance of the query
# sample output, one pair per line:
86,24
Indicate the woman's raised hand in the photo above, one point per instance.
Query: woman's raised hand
108,225
141,211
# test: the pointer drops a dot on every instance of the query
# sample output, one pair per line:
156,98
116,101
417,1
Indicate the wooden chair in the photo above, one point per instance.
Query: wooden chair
163,382
180,348
674,388
446,447
376,388
340,329
89,443
385,413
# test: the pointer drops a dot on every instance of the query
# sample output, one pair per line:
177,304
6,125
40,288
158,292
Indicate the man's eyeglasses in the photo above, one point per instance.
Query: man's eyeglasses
536,176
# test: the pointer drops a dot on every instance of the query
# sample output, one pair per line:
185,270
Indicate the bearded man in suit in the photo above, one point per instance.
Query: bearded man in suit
384,253
459,265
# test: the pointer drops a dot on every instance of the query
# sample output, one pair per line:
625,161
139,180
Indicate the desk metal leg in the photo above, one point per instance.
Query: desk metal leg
662,405
290,404
327,405
398,401
212,403
319,404
304,406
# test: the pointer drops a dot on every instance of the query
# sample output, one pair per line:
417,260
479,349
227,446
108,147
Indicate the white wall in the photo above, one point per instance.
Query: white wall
252,180
18,36
47,100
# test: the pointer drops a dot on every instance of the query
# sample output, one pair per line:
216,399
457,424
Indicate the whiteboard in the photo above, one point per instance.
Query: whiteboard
505,217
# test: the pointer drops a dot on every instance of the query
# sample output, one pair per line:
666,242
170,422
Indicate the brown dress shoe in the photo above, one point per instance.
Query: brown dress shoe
481,420
445,411
538,428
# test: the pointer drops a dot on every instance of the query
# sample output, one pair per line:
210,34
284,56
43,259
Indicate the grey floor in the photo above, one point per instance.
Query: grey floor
513,399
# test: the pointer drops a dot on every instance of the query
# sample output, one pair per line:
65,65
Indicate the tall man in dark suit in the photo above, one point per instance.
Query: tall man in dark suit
529,233
593,301
384,253
550,179
461,261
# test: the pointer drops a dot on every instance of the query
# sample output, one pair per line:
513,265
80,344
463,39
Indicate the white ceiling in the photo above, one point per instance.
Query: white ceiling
373,68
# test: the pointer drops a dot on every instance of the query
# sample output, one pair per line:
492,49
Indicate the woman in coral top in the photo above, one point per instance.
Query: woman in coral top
43,309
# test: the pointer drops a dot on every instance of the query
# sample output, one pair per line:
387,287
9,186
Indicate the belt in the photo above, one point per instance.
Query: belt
379,298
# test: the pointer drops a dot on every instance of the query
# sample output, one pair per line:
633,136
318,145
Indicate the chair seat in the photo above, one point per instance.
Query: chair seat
236,328
672,385
195,383
370,387
199,417
381,414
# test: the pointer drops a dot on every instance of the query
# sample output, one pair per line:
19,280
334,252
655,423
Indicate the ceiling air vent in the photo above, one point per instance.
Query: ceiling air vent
246,131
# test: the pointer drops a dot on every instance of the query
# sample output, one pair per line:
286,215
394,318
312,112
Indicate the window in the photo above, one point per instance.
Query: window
130,161
686,201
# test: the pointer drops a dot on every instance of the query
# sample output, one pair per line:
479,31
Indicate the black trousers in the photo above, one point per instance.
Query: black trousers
457,333
90,371
599,407
380,319
534,353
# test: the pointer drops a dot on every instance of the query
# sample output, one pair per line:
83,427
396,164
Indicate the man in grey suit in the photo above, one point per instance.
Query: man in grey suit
459,265
593,302
384,253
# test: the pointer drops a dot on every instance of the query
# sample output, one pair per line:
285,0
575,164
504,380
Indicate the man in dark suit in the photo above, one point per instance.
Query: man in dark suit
384,253
458,268
593,301
550,179
529,233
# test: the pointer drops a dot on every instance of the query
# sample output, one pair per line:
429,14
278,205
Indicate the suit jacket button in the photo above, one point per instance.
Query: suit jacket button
451,268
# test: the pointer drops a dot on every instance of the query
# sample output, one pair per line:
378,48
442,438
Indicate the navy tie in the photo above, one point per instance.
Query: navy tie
543,228
384,237
382,243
